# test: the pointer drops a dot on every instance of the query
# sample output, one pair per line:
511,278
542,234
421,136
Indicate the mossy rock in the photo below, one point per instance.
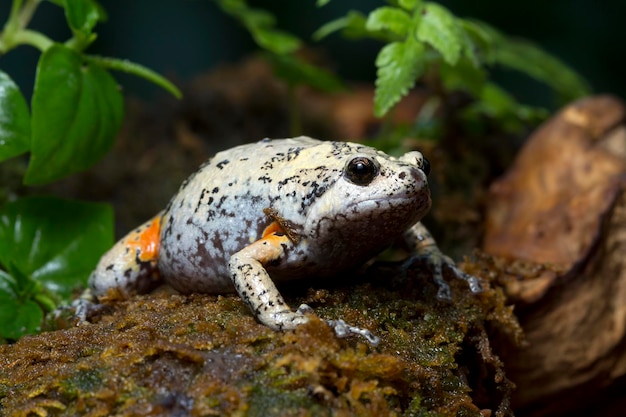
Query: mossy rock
200,355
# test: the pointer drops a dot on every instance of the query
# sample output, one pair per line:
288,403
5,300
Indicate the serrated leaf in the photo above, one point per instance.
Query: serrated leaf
82,15
53,241
525,57
438,28
76,112
18,317
14,119
389,18
399,65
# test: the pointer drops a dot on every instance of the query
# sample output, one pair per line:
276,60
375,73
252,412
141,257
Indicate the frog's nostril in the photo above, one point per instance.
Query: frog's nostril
402,175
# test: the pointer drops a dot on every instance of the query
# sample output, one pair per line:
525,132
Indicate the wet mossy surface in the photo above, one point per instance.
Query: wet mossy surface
166,354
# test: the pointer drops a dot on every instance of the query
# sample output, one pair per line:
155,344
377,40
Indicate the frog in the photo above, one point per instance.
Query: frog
278,210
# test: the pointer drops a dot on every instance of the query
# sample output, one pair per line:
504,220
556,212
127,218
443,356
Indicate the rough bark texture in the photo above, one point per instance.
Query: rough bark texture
564,203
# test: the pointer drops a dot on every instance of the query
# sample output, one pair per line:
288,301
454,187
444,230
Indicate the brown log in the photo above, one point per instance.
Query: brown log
563,203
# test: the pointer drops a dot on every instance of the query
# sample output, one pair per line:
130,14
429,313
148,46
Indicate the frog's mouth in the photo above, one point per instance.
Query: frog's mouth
419,203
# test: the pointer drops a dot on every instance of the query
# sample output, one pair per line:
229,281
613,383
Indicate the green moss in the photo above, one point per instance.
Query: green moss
206,355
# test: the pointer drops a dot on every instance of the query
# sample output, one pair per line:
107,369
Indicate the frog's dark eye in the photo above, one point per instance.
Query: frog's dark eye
425,166
361,170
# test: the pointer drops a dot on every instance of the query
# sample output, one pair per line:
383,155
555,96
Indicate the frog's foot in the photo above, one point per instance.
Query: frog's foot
437,261
84,307
286,319
343,329
77,312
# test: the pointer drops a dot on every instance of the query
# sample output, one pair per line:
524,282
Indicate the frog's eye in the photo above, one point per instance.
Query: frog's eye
425,166
361,170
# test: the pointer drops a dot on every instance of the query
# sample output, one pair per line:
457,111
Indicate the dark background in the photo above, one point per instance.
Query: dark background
186,37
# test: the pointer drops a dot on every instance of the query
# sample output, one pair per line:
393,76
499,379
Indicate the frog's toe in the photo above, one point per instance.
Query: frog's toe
472,281
343,329
444,293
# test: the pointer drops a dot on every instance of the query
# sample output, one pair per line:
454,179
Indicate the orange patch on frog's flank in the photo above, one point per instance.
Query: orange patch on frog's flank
147,241
273,228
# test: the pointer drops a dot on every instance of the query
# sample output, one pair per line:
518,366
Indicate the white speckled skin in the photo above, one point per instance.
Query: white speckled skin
339,225
325,219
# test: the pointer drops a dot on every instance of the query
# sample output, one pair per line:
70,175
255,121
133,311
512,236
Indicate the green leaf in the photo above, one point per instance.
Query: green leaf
399,65
525,57
260,24
409,5
352,26
275,41
82,15
321,3
134,69
483,38
53,241
7,282
18,317
390,18
438,27
463,76
14,119
76,112
297,72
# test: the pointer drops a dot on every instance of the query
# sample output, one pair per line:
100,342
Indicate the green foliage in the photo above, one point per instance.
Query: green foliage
424,36
399,65
76,107
281,48
260,24
47,247
295,71
85,102
14,119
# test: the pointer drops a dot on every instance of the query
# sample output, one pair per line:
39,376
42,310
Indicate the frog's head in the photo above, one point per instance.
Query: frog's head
374,198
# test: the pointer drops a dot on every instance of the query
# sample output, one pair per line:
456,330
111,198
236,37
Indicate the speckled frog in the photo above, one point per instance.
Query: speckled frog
278,210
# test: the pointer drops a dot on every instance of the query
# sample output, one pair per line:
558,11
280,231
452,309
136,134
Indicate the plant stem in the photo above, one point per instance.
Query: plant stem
36,39
14,32
27,12
135,69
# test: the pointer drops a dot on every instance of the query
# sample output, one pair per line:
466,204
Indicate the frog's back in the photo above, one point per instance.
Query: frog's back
219,210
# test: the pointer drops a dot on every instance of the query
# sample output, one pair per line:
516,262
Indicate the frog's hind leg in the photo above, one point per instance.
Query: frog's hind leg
130,265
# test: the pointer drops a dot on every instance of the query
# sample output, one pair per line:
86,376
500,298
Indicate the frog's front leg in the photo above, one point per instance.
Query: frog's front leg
256,288
419,239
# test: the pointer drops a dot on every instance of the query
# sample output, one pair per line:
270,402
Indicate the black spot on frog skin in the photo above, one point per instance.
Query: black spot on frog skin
265,179
221,164
215,190
222,199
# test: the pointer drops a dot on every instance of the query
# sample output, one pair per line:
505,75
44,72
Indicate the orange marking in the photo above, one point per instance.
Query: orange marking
147,242
273,228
